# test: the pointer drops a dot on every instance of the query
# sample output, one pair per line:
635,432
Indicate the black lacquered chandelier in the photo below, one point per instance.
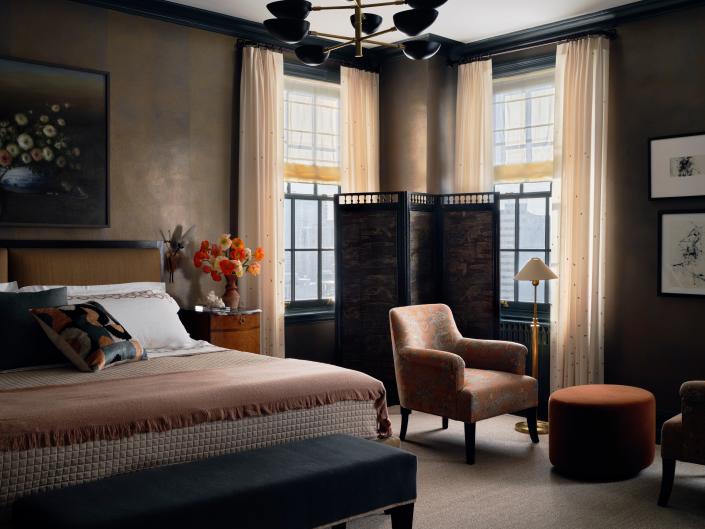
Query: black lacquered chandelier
291,26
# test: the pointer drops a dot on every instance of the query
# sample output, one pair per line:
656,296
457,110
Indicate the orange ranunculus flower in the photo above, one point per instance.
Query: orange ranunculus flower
238,243
205,245
207,269
254,269
259,254
237,254
216,251
215,275
227,267
199,257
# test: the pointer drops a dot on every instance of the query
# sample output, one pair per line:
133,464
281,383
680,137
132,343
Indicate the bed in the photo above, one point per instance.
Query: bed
180,405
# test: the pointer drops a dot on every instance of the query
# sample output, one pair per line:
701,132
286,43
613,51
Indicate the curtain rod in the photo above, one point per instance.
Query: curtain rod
608,33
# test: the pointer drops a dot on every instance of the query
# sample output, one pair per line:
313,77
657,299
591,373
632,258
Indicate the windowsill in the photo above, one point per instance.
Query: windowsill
309,314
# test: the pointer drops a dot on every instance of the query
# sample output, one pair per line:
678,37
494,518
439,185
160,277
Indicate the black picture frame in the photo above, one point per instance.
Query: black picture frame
104,129
650,143
659,264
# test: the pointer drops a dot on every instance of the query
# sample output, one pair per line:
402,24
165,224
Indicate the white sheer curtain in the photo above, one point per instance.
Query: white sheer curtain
261,194
578,248
359,94
473,138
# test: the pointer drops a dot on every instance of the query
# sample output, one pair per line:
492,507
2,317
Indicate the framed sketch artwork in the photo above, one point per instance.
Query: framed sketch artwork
677,166
53,145
682,253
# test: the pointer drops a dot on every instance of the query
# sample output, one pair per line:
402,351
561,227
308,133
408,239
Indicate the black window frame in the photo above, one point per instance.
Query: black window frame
294,306
523,310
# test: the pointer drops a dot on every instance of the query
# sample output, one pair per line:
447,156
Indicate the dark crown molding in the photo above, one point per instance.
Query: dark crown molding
597,22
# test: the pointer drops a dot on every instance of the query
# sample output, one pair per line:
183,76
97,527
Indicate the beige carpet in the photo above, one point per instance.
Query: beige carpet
512,486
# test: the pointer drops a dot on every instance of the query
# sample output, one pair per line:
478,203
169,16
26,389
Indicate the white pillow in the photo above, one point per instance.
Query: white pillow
118,288
8,287
150,316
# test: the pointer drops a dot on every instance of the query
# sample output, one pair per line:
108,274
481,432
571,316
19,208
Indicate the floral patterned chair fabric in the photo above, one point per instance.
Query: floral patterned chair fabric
440,372
683,436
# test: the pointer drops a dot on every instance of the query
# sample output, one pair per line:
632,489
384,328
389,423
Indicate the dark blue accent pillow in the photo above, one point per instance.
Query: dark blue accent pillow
24,344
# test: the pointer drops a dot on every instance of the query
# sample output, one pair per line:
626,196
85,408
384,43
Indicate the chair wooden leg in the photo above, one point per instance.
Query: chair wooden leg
405,412
531,418
470,443
403,516
445,423
669,473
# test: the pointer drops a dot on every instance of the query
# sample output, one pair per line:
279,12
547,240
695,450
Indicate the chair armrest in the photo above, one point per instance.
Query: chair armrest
693,392
495,355
430,368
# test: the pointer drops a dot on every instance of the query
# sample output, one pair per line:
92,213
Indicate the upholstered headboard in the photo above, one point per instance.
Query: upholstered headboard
80,262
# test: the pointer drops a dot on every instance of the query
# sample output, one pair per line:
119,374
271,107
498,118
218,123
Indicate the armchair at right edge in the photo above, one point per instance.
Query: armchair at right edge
683,436
441,373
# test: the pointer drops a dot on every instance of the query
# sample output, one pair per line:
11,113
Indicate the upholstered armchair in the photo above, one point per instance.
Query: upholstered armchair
441,373
683,436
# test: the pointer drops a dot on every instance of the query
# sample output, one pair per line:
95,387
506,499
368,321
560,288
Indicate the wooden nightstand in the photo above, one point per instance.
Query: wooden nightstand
236,330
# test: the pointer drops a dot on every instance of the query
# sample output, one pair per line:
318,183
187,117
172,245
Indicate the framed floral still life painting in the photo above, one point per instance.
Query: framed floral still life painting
682,253
677,166
53,145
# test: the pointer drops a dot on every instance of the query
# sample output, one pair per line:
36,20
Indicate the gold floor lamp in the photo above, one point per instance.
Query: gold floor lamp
535,271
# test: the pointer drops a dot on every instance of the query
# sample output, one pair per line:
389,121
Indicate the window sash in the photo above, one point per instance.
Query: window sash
319,249
311,160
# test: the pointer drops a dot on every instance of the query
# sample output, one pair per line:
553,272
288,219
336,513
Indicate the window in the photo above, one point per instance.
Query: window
523,167
524,232
312,175
311,131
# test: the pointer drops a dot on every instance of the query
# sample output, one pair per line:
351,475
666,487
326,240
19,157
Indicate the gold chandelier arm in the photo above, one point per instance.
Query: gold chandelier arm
356,41
331,36
363,6
380,4
326,8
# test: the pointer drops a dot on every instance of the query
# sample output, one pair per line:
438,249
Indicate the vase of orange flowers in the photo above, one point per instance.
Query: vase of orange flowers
228,259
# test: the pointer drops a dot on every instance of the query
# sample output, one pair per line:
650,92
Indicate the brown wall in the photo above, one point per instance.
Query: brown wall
417,124
657,88
171,91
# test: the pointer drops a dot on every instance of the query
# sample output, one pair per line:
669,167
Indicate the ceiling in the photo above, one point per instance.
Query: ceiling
461,20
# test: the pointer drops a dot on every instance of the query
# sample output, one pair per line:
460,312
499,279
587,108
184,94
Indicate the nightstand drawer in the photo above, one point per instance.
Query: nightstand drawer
231,331
237,322
240,340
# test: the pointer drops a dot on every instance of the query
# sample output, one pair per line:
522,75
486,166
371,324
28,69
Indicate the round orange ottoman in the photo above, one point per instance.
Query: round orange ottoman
602,432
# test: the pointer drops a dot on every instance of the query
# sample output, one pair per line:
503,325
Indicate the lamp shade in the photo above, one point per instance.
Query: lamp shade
311,54
290,9
414,21
421,50
370,22
289,30
430,4
535,270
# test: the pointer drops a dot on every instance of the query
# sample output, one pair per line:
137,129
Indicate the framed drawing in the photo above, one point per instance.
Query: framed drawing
682,253
53,145
677,166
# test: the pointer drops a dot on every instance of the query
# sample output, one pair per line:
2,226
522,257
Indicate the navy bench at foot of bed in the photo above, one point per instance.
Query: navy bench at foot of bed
302,485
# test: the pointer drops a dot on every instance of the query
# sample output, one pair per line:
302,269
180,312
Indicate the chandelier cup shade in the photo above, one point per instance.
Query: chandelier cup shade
312,54
298,9
413,22
370,22
421,50
289,30
425,4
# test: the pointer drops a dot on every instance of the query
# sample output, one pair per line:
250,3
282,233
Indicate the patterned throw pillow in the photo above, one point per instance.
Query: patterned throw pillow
89,336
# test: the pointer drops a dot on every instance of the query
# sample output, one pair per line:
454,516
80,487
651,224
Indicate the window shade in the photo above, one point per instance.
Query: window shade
523,127
311,131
